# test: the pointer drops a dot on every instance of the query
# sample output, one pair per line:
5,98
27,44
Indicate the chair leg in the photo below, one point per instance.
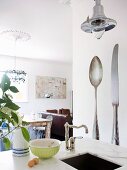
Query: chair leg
36,133
40,134
43,134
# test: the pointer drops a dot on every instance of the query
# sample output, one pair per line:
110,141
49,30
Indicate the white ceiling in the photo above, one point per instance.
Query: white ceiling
47,21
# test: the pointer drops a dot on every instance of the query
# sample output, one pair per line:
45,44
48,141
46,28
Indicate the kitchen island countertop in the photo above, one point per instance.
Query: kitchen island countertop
113,153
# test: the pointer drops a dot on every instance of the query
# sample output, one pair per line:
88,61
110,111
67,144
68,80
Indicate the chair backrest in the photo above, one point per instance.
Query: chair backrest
52,111
64,112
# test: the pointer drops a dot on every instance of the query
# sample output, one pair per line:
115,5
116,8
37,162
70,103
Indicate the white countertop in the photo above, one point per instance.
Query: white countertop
112,153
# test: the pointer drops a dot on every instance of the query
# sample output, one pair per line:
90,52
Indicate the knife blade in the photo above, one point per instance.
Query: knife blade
114,76
115,94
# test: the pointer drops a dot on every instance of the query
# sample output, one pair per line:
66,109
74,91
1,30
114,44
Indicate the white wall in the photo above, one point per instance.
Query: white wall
85,47
34,68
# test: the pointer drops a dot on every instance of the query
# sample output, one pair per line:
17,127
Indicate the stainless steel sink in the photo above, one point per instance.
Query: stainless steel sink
90,162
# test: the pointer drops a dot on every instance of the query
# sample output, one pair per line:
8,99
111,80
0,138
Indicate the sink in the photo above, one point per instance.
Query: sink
90,162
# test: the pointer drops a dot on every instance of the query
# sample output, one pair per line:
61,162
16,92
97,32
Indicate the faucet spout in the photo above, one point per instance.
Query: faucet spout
67,139
77,127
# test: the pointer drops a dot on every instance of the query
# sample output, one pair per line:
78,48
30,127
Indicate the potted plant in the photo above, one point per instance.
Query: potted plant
9,112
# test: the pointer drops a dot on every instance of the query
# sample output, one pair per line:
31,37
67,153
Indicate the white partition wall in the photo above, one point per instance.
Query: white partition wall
85,47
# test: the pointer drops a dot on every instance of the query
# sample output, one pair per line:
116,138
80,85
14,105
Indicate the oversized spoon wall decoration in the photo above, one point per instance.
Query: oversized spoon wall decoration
95,77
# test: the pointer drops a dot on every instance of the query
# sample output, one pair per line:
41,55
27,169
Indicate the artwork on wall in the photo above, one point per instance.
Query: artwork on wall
50,87
95,77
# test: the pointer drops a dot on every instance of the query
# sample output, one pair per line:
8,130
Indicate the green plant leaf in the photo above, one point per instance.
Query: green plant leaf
12,106
5,116
7,143
15,117
24,123
6,98
5,83
25,134
1,115
6,110
14,89
2,101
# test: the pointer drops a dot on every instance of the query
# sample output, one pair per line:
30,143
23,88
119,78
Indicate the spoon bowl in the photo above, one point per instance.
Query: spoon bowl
95,72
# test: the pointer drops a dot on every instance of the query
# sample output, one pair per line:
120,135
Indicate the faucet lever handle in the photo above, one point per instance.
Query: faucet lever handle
78,137
72,141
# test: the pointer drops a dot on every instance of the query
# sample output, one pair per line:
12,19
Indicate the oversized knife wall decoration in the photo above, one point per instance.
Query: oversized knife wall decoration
115,94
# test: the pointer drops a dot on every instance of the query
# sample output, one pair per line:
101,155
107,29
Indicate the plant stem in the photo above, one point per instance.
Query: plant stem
6,134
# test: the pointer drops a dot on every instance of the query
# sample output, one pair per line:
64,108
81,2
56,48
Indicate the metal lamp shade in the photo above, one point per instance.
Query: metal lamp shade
99,22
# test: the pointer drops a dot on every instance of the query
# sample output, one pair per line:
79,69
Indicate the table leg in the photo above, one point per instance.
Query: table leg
48,130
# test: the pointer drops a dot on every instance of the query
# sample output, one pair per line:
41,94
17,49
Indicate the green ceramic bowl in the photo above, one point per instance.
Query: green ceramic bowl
44,148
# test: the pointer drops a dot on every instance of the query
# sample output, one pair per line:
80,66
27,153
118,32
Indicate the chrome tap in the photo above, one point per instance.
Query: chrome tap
70,142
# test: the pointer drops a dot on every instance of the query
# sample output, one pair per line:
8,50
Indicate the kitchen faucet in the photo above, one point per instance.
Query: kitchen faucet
70,142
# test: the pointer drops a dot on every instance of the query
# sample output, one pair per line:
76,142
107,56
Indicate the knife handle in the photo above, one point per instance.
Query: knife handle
115,131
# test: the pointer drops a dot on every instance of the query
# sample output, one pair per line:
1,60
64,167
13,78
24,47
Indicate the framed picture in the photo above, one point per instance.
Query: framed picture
50,87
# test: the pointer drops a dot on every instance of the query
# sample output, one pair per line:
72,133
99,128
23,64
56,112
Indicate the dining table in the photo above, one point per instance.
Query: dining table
40,122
